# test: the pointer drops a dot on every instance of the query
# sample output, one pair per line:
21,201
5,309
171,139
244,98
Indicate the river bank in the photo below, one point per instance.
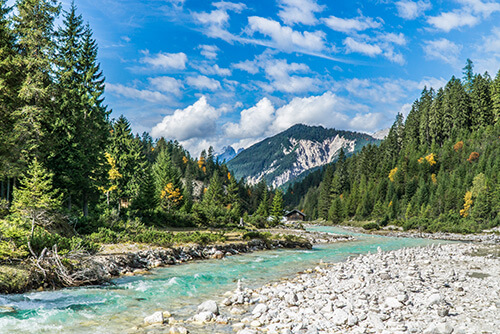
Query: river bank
452,288
136,259
488,237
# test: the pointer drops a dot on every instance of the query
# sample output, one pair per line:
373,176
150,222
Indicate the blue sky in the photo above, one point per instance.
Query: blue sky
231,73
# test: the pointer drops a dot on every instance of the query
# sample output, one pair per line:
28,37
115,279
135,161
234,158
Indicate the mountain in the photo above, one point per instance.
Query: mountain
292,154
381,134
227,154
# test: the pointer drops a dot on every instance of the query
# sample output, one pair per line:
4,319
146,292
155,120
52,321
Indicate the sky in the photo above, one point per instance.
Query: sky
232,73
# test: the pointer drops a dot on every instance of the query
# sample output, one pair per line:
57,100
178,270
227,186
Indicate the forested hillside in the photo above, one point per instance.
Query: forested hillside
437,170
71,176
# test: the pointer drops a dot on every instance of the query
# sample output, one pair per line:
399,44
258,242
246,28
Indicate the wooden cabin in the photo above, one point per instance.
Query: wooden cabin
295,215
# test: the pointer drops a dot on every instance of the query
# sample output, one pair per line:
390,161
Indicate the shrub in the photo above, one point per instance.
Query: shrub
371,226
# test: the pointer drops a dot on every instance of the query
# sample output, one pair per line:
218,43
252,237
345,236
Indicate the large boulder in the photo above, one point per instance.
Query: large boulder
155,318
209,306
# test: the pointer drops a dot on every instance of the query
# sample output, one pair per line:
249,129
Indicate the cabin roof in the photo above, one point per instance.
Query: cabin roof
295,211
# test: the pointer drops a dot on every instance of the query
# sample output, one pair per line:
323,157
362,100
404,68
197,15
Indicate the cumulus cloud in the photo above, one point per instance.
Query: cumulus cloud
444,50
469,15
327,110
254,121
299,11
137,94
202,82
278,71
351,25
216,22
195,121
361,47
452,20
209,51
410,10
165,61
249,66
167,85
285,38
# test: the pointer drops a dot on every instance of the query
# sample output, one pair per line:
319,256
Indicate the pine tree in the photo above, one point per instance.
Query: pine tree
468,78
35,199
33,26
495,97
9,86
336,212
263,209
277,208
324,193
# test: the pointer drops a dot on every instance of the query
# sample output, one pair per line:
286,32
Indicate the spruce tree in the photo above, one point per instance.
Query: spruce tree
277,208
263,209
495,97
482,107
33,27
9,87
35,199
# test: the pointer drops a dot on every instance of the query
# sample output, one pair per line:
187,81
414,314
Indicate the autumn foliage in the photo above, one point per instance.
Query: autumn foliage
473,157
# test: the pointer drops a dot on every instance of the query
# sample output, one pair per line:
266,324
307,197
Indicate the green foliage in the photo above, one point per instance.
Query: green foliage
371,226
150,235
277,208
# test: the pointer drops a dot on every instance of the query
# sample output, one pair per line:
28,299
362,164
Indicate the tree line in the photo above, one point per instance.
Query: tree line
438,169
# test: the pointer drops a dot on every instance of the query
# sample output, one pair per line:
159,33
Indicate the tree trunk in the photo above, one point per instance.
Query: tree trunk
2,189
69,203
85,204
8,190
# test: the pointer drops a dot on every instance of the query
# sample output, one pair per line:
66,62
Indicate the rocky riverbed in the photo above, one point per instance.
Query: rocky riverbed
452,288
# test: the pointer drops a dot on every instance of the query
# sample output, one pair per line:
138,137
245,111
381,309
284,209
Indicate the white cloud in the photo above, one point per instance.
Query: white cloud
299,11
249,66
382,44
202,82
165,61
195,121
485,9
137,94
351,25
279,74
213,70
444,50
452,20
412,9
327,110
209,51
167,85
285,38
361,47
216,22
254,121
232,6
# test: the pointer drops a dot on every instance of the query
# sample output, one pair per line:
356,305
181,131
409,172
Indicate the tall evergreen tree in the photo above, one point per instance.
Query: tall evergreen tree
468,78
277,208
33,26
495,97
482,107
9,87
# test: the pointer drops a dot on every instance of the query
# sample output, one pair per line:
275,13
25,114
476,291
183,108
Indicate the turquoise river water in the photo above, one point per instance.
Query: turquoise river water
121,306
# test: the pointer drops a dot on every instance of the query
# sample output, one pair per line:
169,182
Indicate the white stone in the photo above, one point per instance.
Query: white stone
260,308
155,318
339,317
209,306
203,317
393,302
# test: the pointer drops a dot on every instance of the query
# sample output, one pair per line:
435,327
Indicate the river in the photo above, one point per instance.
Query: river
121,306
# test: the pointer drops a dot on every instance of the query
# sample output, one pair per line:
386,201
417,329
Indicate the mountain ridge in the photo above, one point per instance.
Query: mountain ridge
284,157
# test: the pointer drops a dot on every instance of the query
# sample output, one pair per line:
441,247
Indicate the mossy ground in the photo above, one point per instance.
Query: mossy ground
14,278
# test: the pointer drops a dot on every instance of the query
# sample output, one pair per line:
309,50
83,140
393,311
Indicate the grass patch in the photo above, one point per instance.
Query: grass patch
13,279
